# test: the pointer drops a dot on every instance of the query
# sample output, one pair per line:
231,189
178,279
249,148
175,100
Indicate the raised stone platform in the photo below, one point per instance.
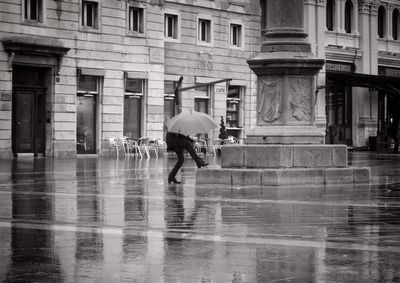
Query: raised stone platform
276,165
283,156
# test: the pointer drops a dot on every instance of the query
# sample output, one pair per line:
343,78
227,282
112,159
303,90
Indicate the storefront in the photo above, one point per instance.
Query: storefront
338,103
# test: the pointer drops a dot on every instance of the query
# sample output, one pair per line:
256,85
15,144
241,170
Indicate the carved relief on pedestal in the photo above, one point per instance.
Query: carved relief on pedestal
299,99
269,100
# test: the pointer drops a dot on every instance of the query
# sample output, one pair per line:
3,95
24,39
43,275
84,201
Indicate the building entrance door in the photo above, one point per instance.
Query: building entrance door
29,120
86,124
339,114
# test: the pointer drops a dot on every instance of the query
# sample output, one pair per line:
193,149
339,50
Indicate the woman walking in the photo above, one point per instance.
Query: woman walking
177,143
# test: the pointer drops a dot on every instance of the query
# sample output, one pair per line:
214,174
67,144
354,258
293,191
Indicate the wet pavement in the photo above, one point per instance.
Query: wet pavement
117,220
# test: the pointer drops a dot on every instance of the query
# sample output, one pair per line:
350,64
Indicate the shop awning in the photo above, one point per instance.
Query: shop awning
382,83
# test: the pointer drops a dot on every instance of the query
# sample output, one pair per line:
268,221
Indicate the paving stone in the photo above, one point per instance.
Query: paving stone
246,177
339,176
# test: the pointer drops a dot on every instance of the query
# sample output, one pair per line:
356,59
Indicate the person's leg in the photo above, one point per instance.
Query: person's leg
187,145
178,164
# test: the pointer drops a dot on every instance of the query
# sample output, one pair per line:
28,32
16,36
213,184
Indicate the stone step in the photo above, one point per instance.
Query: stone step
283,176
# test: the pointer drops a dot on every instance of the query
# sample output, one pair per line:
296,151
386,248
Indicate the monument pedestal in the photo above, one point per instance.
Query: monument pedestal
284,147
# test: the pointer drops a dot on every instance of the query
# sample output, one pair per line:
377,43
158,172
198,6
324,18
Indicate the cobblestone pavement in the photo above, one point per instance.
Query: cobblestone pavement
117,220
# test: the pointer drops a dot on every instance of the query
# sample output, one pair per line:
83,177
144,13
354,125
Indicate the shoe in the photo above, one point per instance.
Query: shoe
201,164
173,180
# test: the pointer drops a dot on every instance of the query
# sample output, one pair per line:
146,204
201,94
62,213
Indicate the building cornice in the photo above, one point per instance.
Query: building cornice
341,54
389,59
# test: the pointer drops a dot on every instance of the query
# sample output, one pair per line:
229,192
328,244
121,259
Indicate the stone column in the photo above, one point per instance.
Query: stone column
286,71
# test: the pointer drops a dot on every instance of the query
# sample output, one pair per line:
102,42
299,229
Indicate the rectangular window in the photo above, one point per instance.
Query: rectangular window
134,90
136,22
171,26
201,104
236,35
169,101
33,10
134,86
86,114
233,107
90,14
204,30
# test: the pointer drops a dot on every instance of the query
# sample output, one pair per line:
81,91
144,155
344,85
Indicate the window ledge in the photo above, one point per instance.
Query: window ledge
203,43
169,39
89,29
32,23
343,34
136,34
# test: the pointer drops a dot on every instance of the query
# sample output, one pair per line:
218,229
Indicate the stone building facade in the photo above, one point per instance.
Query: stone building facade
75,73
358,87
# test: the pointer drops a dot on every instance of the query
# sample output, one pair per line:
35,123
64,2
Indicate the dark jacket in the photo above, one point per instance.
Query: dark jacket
173,139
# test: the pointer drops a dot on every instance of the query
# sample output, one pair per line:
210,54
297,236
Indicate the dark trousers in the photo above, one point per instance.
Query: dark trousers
178,144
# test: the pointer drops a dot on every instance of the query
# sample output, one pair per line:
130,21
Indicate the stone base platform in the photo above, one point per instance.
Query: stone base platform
287,164
283,176
283,156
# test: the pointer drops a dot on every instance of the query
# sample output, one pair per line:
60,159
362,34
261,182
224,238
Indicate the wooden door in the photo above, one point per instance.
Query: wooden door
28,121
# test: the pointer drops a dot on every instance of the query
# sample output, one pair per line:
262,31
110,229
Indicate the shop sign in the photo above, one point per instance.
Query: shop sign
204,65
389,72
338,67
219,89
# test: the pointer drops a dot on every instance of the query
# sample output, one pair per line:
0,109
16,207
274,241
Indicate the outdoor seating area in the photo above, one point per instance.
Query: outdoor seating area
130,147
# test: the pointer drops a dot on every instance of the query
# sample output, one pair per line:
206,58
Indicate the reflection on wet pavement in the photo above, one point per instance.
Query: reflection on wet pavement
107,220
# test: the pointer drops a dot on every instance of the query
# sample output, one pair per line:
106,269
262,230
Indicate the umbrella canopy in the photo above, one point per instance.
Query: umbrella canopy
192,122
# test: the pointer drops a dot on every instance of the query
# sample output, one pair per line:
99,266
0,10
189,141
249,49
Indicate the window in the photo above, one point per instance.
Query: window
204,31
87,96
233,106
330,11
90,14
171,26
348,11
201,104
395,24
236,35
134,89
136,21
33,10
381,22
169,102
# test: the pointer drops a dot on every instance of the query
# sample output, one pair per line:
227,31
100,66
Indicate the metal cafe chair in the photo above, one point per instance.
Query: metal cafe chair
148,144
131,146
117,145
82,139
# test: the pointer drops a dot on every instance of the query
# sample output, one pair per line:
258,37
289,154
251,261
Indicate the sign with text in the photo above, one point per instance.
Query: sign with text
389,72
339,67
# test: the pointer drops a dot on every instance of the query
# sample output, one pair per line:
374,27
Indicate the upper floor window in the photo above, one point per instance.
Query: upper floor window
395,24
136,19
330,11
204,30
90,14
171,26
348,13
381,22
33,10
236,35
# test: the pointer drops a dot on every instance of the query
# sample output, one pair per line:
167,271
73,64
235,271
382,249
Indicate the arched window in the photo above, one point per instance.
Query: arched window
330,11
381,21
395,24
348,13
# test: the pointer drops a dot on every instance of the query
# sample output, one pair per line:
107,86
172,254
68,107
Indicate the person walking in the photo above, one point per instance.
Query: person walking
178,143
